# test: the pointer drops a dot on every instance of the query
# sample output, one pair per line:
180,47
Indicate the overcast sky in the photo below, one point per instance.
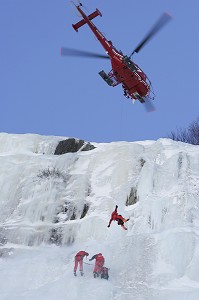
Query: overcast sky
42,92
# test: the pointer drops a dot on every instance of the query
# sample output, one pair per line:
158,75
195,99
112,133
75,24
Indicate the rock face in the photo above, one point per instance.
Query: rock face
72,145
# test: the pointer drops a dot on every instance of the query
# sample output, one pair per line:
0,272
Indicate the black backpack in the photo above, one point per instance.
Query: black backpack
104,273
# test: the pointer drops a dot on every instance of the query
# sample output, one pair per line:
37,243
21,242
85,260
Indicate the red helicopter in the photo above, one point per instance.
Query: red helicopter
135,83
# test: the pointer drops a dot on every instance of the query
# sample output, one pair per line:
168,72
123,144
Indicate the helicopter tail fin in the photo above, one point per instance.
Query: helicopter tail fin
90,17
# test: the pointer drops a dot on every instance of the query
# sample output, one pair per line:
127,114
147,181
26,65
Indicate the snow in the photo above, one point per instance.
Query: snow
41,225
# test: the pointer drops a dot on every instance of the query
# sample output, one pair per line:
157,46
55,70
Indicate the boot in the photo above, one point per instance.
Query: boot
94,274
81,272
75,273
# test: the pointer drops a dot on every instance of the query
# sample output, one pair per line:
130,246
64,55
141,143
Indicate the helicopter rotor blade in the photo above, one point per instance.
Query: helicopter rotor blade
162,21
148,105
75,52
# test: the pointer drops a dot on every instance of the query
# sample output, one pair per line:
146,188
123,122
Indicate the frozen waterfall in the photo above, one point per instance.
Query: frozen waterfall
52,206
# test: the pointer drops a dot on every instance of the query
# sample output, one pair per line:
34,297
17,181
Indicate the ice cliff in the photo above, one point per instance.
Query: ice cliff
56,199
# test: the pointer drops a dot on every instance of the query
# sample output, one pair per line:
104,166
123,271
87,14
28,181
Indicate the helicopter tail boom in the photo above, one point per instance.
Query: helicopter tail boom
90,17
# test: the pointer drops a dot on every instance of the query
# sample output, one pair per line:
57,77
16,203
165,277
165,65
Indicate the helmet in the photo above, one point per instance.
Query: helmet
99,253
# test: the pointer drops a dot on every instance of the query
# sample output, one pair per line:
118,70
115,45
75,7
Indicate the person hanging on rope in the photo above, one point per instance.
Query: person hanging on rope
120,220
79,259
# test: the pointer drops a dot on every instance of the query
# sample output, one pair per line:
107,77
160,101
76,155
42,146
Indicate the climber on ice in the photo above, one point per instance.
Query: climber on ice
120,220
79,259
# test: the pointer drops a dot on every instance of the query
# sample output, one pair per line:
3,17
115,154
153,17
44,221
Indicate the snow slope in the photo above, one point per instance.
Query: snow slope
52,206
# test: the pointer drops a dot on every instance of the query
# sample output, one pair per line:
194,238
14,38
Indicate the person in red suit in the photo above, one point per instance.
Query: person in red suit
79,259
120,220
99,262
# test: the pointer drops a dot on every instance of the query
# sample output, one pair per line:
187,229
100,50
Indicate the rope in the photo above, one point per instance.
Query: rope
88,263
93,265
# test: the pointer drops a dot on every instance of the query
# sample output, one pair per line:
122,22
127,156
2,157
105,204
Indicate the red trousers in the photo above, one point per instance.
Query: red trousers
80,265
98,267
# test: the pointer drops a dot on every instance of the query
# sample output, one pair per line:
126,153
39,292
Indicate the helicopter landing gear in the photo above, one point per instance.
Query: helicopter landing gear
139,97
106,78
141,100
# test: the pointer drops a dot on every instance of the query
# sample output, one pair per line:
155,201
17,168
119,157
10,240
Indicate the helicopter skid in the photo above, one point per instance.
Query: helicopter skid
138,97
106,78
141,100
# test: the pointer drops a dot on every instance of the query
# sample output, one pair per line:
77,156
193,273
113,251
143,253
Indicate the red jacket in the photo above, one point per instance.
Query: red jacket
80,255
99,259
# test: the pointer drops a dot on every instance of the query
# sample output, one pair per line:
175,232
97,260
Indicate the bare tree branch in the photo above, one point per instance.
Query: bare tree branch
188,135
